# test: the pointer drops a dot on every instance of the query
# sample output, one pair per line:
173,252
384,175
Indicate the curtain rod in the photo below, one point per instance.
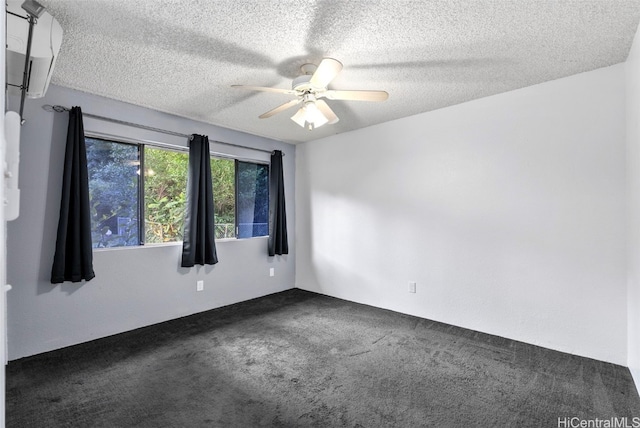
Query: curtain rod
60,109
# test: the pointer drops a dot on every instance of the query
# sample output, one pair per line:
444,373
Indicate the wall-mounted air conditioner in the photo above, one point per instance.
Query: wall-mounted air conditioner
45,45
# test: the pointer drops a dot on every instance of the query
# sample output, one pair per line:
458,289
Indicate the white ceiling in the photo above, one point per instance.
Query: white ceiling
182,56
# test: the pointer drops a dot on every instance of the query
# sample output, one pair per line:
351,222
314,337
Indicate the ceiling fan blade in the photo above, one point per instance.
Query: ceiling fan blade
326,110
356,95
264,89
279,109
326,72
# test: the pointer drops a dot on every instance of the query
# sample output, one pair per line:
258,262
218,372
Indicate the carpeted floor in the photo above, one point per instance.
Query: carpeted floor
299,359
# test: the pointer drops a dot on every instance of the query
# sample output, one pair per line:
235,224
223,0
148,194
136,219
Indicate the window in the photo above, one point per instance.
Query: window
113,192
165,194
138,194
224,203
252,184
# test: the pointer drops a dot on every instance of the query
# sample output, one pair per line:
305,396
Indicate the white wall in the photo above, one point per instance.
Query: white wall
134,287
3,240
633,171
508,212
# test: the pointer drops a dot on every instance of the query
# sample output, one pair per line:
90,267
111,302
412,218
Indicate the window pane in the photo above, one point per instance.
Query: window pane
253,200
165,194
224,205
113,192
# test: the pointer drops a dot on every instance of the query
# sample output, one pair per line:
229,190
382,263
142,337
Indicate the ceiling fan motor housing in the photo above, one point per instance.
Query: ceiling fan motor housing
309,88
301,83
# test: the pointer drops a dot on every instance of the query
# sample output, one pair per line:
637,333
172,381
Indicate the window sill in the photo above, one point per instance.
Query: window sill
130,247
173,244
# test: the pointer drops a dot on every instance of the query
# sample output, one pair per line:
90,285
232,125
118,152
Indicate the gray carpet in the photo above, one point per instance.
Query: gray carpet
299,359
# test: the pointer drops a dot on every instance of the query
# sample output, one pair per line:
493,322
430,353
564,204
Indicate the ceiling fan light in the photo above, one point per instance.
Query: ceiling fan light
314,115
309,117
299,117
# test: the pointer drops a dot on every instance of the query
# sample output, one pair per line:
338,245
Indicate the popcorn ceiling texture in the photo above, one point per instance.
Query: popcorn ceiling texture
181,57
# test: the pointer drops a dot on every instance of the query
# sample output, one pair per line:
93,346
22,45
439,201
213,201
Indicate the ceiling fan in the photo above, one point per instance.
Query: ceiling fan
310,88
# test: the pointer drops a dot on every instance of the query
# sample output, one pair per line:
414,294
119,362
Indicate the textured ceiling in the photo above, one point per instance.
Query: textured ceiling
181,56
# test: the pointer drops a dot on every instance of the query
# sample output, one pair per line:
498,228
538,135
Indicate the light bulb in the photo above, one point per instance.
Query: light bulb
309,116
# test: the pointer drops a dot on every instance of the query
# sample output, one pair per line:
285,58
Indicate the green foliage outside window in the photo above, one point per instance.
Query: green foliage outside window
165,194
222,174
114,181
113,193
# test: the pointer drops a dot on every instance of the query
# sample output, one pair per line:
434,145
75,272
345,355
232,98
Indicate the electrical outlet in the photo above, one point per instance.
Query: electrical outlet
200,286
412,287
272,271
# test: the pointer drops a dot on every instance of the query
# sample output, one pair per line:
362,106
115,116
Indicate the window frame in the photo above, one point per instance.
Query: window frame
139,143
141,222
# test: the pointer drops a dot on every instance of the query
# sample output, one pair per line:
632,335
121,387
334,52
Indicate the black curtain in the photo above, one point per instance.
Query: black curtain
277,213
73,259
198,244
